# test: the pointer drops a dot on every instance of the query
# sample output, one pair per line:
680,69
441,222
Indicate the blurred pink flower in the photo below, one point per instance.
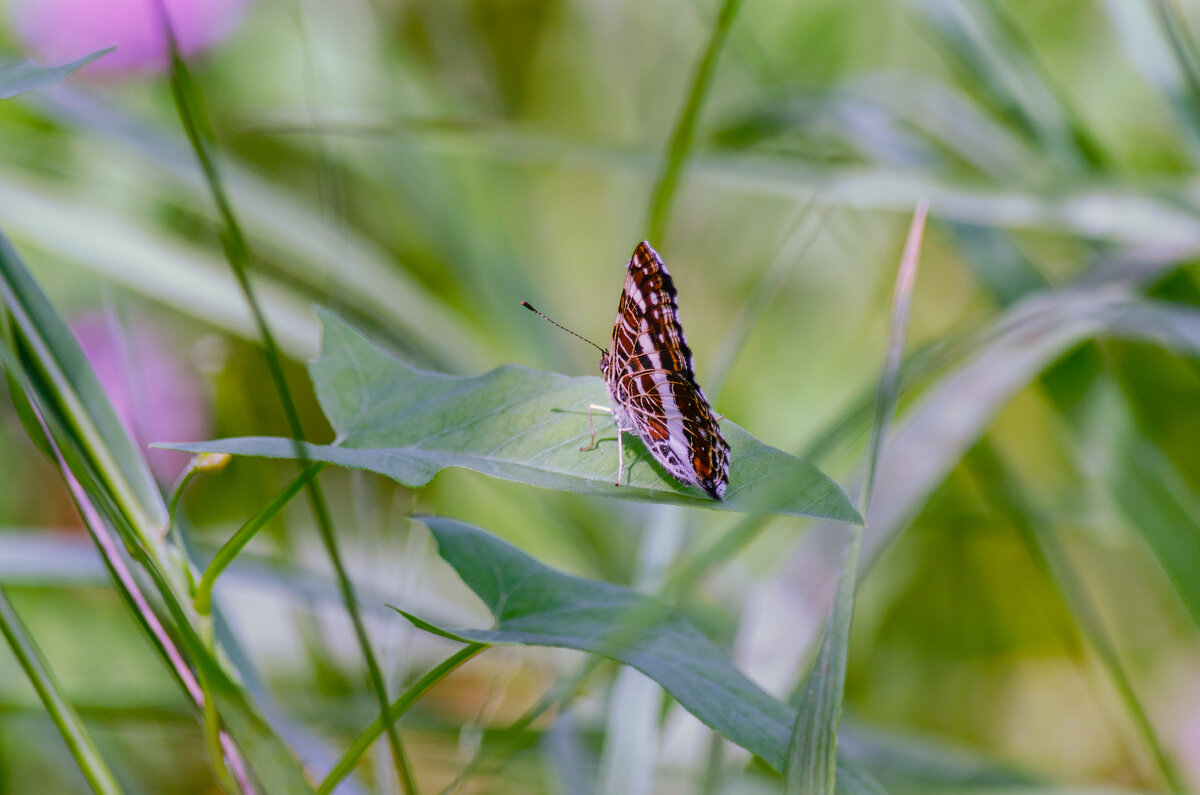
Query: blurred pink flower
156,394
58,31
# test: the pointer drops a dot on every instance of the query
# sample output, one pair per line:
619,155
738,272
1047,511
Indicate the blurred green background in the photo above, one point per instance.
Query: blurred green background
421,167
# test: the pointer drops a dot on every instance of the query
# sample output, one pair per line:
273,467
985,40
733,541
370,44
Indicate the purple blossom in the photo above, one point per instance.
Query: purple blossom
156,394
57,31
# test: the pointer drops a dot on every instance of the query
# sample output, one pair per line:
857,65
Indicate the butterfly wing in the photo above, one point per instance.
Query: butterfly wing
649,375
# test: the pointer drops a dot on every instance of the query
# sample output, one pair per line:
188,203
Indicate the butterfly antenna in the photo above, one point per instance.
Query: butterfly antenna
529,306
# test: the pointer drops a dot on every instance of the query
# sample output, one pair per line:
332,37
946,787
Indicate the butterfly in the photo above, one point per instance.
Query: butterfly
652,389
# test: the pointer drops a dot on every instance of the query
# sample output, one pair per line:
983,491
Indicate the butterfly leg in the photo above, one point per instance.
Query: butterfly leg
592,426
620,455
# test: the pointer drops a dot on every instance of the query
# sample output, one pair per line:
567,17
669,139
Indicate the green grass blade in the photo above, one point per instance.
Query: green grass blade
1010,498
17,78
90,449
519,425
1012,354
85,407
854,780
133,254
889,379
1152,44
237,252
1004,64
812,750
228,551
1153,496
812,753
361,744
76,735
685,127
906,762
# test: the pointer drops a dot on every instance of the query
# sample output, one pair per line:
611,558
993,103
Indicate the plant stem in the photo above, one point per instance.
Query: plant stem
237,252
368,735
231,548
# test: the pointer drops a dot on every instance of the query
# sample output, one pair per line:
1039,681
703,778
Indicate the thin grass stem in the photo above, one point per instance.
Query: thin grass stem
684,133
237,252
231,548
359,746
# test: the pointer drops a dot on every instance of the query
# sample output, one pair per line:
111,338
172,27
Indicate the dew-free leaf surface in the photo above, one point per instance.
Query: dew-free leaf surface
535,605
516,424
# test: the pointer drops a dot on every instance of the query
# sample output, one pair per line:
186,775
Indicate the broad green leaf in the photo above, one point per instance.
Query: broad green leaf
534,605
516,424
17,78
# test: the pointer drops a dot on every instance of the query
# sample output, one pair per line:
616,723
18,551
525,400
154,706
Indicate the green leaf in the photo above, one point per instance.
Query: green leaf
534,605
17,78
516,424
83,404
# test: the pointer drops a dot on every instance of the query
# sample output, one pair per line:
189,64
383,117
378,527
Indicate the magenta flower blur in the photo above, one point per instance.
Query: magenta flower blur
57,31
156,394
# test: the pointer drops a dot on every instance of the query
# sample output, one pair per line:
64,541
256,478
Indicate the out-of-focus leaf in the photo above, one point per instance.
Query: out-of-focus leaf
516,424
314,253
1160,220
1004,65
76,735
1153,52
1152,495
120,504
812,751
535,605
937,431
17,78
904,763
84,405
141,259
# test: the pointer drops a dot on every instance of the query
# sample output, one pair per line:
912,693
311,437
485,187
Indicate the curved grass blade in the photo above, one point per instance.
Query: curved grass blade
97,461
76,735
938,430
515,424
77,391
1009,496
17,78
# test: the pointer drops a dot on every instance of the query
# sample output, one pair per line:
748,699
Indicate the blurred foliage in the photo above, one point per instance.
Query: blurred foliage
421,167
